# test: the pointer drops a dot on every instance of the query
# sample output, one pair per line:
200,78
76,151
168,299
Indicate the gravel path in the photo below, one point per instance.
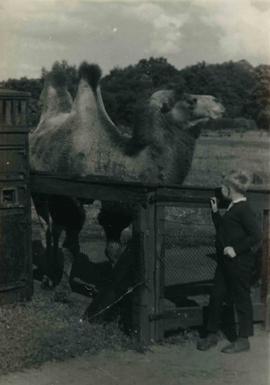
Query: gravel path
168,364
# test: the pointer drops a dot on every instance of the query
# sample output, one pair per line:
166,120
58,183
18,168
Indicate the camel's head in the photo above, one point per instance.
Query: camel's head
189,111
194,107
194,110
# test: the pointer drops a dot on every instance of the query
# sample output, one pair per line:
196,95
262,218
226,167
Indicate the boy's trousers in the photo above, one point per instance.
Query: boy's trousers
232,283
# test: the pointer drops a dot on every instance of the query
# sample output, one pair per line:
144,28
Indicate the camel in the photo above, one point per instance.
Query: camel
78,138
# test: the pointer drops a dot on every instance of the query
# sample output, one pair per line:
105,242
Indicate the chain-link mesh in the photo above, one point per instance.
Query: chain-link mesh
189,252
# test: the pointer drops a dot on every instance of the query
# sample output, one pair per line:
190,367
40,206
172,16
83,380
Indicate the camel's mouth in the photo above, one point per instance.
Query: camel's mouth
198,121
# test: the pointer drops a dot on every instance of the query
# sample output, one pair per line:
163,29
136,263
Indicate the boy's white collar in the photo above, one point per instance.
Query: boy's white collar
239,200
243,199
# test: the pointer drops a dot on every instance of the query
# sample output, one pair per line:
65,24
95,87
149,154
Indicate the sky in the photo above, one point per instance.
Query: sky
36,33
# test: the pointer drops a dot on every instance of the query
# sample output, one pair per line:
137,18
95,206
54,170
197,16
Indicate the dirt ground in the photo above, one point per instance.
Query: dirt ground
166,364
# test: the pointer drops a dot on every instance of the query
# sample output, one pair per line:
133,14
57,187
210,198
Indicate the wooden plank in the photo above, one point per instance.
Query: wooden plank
96,179
171,195
188,289
86,189
190,196
183,317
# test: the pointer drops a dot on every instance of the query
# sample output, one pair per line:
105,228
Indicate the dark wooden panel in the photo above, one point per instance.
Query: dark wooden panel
15,256
13,162
199,197
11,139
88,188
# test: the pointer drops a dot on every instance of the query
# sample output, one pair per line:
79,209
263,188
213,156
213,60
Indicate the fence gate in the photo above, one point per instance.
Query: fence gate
185,265
185,262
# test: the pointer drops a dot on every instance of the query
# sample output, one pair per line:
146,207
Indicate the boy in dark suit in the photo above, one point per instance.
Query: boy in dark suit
237,237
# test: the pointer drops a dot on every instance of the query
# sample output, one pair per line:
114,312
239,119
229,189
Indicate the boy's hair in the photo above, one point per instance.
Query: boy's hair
240,180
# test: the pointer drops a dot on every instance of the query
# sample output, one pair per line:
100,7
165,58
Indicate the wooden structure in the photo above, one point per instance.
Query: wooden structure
148,228
15,215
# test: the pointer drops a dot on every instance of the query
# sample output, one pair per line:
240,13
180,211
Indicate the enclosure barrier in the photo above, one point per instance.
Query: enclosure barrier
15,214
150,314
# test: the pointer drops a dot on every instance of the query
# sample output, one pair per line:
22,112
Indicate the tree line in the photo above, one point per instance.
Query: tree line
244,90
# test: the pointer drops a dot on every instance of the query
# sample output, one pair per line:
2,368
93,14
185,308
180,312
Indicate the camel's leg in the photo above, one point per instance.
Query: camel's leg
69,253
40,202
114,217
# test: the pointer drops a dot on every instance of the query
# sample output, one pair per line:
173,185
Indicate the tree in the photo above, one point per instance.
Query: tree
261,97
126,90
64,73
230,82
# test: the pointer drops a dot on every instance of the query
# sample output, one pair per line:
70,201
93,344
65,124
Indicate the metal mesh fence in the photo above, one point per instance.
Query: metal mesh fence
189,252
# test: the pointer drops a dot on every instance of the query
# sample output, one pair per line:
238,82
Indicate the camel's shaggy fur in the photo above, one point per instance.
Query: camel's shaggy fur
82,140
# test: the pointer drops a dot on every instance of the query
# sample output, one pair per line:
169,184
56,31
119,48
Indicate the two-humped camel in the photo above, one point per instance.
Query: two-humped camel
78,138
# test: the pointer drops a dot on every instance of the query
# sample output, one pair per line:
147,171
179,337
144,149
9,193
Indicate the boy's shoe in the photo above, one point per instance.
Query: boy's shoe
207,343
240,345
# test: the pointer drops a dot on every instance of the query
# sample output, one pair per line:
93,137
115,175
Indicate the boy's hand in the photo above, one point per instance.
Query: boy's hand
214,205
229,251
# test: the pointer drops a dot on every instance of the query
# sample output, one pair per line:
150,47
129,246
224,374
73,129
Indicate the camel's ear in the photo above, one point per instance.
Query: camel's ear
90,72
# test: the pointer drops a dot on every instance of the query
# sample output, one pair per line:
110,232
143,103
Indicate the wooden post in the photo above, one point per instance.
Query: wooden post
159,271
144,300
266,267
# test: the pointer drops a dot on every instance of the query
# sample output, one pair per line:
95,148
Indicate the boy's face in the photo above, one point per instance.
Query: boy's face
226,192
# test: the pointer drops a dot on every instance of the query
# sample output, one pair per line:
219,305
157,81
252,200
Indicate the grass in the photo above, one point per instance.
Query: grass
216,154
44,330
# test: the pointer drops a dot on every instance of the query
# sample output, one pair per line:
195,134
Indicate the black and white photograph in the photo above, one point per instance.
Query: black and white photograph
135,192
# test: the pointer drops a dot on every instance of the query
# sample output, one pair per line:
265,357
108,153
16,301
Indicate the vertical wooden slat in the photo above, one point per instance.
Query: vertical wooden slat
8,119
144,300
23,112
16,112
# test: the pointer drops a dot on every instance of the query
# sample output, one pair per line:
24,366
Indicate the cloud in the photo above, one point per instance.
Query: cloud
35,33
244,26
165,37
